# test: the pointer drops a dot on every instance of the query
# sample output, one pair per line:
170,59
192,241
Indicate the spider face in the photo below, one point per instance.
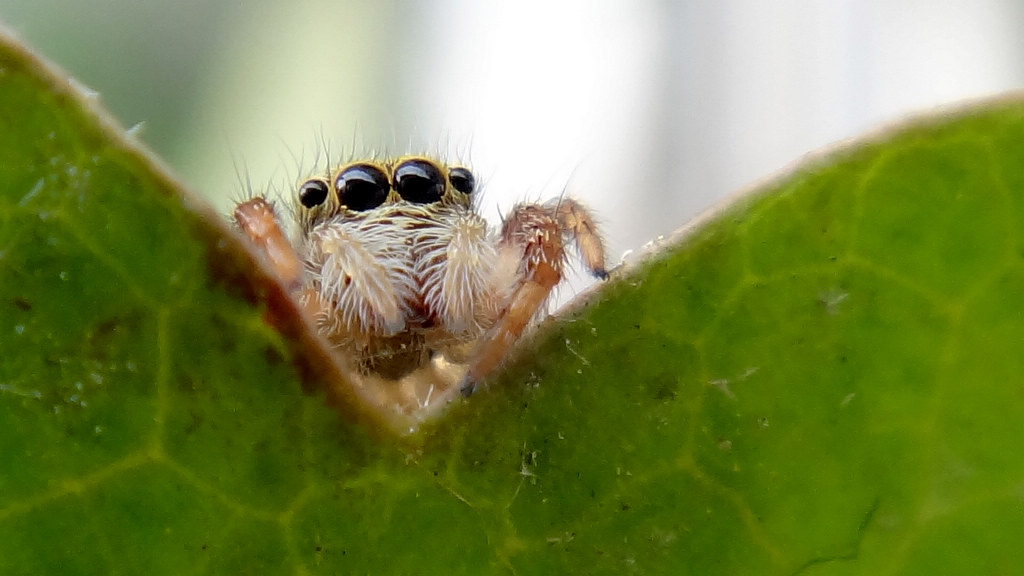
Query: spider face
408,283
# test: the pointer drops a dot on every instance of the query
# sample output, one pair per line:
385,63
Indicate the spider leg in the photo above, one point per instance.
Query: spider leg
577,222
258,222
537,235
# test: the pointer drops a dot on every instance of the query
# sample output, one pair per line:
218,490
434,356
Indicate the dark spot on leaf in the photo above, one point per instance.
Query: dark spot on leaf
21,303
663,387
273,355
105,337
321,549
195,424
222,328
106,327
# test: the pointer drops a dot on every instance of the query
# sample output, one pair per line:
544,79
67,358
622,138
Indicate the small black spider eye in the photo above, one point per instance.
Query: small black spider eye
313,193
462,180
419,181
362,187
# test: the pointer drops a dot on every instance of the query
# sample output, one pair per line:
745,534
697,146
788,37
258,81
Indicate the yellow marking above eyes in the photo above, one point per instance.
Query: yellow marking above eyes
357,187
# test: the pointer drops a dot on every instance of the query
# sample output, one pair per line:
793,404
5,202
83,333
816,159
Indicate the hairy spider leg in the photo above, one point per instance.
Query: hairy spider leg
538,232
258,222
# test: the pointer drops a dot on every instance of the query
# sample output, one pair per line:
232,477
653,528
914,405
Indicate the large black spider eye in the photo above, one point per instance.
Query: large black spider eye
462,180
362,187
313,193
419,182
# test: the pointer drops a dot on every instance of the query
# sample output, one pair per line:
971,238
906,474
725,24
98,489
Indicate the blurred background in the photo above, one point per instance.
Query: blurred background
648,111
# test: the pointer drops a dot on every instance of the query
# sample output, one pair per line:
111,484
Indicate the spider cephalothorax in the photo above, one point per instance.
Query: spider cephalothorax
407,281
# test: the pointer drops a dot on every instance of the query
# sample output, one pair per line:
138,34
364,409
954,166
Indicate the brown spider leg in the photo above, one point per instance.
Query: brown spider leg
540,231
257,220
576,221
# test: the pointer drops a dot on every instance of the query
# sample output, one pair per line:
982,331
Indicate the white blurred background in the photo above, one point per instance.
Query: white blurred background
649,111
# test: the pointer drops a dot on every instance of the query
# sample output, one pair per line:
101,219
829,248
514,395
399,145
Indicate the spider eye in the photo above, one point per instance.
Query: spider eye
462,180
362,187
313,193
419,182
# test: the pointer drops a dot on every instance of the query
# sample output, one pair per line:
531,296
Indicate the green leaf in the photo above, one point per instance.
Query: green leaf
822,378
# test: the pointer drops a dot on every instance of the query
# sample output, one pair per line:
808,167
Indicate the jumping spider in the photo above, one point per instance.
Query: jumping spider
401,275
